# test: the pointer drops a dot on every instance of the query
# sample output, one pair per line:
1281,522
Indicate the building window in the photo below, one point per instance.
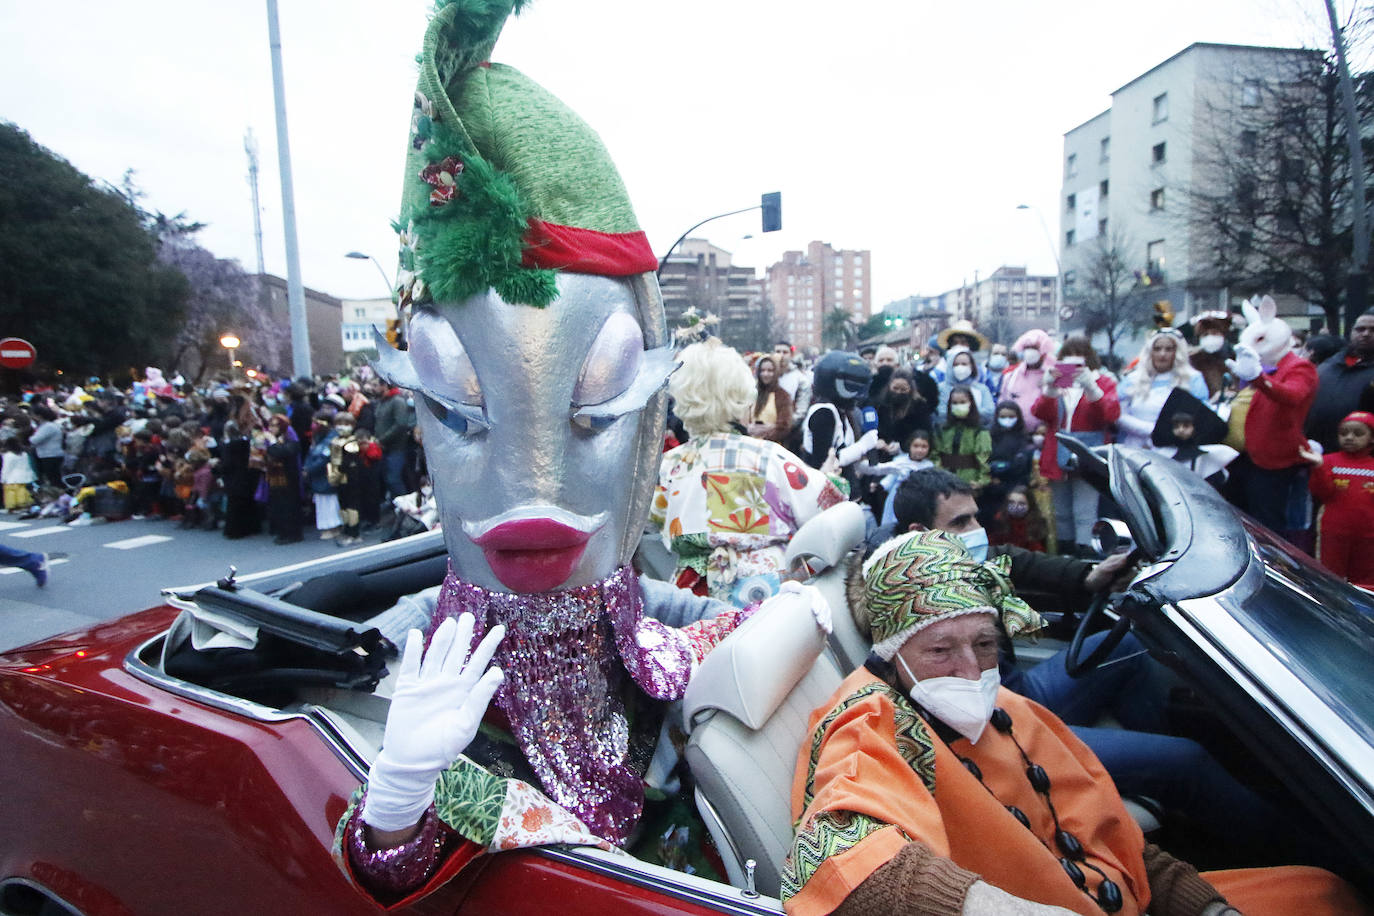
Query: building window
1105,149
1157,153
1102,188
1070,203
1160,109
1250,94
1249,142
360,313
1157,199
1071,165
1154,257
1068,239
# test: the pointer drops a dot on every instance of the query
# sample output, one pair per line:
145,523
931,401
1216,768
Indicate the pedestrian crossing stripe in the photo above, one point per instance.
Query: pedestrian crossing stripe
144,541
6,526
39,532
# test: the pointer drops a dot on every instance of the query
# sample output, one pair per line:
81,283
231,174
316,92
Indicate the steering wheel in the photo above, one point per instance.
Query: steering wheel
1077,667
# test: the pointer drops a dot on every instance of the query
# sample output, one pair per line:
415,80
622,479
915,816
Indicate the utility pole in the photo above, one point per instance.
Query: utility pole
1357,281
295,293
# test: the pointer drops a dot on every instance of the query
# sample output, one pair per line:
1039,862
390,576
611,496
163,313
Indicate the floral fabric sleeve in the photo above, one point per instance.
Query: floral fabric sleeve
474,811
705,635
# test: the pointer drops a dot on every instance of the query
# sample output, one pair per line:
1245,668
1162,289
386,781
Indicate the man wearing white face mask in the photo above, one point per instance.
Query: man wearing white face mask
1210,355
926,788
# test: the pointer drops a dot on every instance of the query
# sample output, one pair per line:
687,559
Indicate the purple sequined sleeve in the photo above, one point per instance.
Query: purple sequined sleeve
396,870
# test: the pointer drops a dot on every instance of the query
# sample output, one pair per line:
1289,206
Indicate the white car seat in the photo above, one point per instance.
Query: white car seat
746,709
823,543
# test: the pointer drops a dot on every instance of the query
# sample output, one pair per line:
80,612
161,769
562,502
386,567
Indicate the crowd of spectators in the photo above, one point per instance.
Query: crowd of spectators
247,456
992,412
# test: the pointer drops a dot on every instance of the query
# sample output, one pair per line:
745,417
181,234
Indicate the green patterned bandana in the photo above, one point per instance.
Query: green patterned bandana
927,576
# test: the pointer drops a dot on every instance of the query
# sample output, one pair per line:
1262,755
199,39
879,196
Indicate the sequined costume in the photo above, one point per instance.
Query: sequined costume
571,729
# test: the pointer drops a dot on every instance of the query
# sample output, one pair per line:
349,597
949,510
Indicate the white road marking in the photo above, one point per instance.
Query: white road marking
131,543
14,569
6,526
39,532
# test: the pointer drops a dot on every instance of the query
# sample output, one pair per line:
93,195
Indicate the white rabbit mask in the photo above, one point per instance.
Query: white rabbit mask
1267,334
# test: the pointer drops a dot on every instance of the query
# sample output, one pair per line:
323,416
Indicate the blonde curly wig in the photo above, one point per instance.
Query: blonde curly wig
712,387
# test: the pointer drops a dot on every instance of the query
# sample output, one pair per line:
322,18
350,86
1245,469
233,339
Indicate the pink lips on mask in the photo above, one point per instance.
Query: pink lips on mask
533,555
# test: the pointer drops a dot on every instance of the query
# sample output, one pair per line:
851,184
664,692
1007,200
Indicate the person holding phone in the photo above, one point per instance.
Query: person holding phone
1075,398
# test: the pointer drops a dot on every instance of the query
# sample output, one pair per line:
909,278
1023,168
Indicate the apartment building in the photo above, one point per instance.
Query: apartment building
1129,171
804,286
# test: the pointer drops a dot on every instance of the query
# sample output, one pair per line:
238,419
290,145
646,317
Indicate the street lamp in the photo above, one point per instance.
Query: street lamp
1058,268
230,343
359,256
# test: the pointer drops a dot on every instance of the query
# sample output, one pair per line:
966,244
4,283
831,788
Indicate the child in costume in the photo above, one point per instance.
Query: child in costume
519,251
962,445
1343,482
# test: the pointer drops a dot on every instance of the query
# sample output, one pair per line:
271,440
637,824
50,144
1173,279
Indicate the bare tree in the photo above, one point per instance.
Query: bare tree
1109,293
1271,206
222,298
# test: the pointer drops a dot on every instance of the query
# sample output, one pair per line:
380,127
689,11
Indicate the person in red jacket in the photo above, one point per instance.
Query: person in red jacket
1284,387
1074,399
1344,484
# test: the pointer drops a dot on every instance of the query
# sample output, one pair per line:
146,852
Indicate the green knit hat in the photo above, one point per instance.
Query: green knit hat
924,577
504,184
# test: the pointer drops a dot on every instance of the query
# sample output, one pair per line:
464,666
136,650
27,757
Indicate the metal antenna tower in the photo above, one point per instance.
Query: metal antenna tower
250,146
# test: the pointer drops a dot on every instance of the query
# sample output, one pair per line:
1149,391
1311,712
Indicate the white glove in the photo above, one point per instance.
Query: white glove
852,453
1246,365
435,712
1086,379
807,596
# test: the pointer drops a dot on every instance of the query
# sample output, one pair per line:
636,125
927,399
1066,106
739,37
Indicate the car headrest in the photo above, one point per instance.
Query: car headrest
827,538
754,668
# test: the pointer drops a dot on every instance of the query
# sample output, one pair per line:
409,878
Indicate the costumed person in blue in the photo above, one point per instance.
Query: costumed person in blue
538,355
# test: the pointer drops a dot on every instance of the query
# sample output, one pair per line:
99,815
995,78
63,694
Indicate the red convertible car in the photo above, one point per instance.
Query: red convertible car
196,757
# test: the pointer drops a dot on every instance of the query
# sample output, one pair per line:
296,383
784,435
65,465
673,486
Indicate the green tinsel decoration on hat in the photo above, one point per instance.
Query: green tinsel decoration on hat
504,184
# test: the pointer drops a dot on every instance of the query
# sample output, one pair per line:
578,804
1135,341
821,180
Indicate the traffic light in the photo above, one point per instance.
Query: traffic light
1164,314
772,211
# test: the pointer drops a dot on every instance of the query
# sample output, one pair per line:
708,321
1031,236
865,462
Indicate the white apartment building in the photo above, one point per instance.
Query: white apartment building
1127,169
360,316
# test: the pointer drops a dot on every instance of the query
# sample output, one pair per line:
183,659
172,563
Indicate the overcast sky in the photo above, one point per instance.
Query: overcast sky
907,127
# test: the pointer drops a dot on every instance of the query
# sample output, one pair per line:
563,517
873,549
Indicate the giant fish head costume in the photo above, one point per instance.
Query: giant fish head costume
538,356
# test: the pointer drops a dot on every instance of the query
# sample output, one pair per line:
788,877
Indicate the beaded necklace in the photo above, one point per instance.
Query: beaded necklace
1072,857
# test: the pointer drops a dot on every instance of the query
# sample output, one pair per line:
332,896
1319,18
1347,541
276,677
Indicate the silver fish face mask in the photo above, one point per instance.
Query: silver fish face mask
542,427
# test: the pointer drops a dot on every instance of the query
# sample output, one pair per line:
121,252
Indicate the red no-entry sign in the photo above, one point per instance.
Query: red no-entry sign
16,353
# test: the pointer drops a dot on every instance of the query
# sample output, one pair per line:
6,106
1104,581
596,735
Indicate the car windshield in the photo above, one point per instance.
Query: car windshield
1321,627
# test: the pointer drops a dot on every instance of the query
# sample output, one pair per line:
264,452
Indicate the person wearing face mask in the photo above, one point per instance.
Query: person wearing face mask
962,445
1212,351
1018,522
994,369
1009,462
962,372
1129,685
1023,381
929,788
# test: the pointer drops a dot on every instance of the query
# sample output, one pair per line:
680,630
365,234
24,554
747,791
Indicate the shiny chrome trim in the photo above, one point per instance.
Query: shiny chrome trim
1253,666
40,888
387,553
349,755
691,888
